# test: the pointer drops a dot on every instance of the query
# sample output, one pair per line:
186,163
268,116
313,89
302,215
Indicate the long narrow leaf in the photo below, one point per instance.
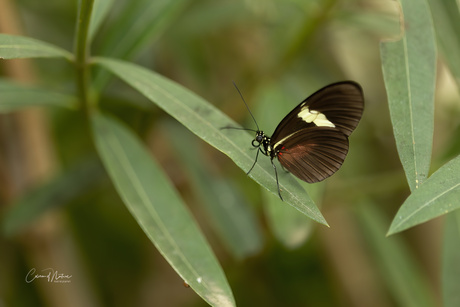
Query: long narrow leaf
57,192
439,195
205,121
100,10
140,22
15,96
290,228
451,263
157,207
446,17
409,70
15,47
403,277
228,212
139,25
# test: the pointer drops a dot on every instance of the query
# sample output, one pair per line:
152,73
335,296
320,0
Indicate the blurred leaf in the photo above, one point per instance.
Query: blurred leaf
409,70
220,14
16,47
100,10
158,209
438,195
57,192
228,212
289,227
450,261
403,277
446,17
305,32
15,96
141,23
200,117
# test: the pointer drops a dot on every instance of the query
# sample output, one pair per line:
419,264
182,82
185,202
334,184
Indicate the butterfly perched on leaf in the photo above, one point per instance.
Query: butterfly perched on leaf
311,142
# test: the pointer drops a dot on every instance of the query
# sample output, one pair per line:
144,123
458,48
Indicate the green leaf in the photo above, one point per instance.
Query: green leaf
228,212
409,70
290,228
398,267
16,47
446,17
450,261
200,117
437,196
140,24
158,209
57,192
15,96
100,10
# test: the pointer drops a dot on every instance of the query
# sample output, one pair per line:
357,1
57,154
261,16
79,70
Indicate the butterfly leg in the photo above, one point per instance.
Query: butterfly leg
255,161
277,182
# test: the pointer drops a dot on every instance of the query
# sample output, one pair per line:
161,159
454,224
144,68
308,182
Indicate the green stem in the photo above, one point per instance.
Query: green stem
82,54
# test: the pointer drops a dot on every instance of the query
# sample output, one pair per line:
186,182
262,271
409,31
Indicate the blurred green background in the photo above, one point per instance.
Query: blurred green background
278,52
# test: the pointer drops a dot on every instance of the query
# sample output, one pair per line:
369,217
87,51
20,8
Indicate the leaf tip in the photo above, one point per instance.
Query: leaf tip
324,222
394,229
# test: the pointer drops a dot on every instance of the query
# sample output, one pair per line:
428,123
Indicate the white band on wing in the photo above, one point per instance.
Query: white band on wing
312,116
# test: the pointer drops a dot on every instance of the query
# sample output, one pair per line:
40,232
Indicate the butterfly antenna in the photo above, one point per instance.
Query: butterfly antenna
247,107
238,128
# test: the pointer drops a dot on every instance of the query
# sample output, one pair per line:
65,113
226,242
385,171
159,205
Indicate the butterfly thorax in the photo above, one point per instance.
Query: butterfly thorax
262,140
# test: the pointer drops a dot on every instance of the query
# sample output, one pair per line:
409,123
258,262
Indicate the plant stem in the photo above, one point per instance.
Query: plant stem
82,54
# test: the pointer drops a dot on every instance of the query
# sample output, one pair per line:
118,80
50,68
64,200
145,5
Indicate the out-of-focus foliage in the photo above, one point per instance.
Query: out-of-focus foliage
269,254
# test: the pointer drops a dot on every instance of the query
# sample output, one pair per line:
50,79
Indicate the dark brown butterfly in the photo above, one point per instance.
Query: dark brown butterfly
311,141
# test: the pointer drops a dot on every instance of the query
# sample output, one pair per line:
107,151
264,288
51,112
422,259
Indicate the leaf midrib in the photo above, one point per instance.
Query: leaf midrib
409,96
426,204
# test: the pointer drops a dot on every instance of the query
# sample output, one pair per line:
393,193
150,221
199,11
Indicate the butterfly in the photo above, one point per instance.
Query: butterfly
311,142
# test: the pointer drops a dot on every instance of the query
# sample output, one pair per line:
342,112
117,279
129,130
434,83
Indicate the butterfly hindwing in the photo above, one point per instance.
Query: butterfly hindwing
313,154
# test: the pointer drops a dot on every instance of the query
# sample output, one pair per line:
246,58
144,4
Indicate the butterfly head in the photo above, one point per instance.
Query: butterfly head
261,140
260,135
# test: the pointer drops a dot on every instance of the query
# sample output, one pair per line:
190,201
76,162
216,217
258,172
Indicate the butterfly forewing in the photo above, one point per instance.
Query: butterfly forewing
341,103
313,154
